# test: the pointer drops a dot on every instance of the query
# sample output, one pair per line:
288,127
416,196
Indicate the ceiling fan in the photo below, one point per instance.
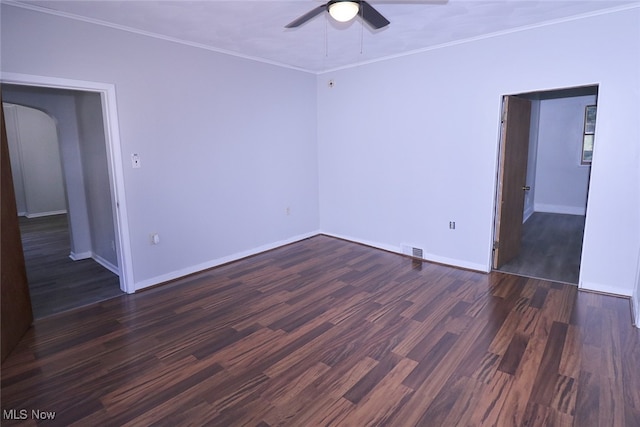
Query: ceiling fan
344,11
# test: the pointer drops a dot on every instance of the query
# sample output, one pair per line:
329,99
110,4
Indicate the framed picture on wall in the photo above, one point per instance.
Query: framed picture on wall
588,134
590,119
587,149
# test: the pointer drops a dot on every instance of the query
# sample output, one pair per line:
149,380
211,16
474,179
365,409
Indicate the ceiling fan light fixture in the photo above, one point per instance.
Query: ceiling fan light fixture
343,11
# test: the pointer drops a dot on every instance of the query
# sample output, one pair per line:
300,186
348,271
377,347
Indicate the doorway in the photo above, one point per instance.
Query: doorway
60,178
61,184
109,118
555,187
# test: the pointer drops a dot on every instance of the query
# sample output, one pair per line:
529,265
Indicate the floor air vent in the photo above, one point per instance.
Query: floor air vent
412,251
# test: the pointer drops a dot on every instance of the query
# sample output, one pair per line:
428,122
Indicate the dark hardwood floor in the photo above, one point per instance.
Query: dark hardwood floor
57,283
551,248
327,332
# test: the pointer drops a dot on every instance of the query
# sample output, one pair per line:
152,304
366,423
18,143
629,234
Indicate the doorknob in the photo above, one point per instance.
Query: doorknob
526,188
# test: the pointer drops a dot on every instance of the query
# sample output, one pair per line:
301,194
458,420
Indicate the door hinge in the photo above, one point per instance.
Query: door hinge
495,245
503,117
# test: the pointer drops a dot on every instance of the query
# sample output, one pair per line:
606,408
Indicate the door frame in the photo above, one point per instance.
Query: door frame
107,94
567,92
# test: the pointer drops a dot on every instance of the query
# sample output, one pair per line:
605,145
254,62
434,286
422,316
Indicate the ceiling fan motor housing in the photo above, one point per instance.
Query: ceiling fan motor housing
357,7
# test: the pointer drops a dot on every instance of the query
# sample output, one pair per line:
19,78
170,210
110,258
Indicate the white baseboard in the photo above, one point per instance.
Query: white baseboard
216,262
426,256
527,214
97,258
106,264
607,289
559,209
82,255
40,214
458,263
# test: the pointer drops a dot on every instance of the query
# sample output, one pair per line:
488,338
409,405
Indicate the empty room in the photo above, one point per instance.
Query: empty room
306,221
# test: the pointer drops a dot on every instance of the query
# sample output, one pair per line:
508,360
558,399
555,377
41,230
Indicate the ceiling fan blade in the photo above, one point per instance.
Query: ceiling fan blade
372,16
307,16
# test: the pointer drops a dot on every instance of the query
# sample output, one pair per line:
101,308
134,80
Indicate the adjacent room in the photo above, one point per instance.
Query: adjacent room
558,168
299,217
59,166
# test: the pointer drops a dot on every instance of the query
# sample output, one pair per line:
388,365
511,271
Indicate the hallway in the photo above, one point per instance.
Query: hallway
551,248
56,282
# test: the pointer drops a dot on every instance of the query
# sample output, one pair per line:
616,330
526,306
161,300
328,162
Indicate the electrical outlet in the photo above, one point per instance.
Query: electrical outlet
155,239
452,225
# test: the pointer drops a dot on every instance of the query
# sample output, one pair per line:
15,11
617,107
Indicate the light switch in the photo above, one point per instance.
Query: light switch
135,160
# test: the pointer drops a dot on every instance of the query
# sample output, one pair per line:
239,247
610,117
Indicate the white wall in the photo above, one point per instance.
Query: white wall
96,179
408,144
35,161
227,144
612,229
561,180
403,146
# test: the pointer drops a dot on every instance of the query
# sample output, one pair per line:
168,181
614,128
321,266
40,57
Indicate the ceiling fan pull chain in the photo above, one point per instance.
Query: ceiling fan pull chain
361,30
326,38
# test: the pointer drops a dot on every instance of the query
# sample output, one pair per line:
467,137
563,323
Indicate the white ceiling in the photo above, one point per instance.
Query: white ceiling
255,28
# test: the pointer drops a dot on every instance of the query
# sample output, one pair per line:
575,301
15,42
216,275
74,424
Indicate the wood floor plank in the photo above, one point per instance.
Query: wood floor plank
514,407
486,369
505,335
489,410
559,303
372,378
571,353
285,388
430,361
513,355
345,375
56,282
326,411
329,332
587,399
545,382
465,394
377,407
